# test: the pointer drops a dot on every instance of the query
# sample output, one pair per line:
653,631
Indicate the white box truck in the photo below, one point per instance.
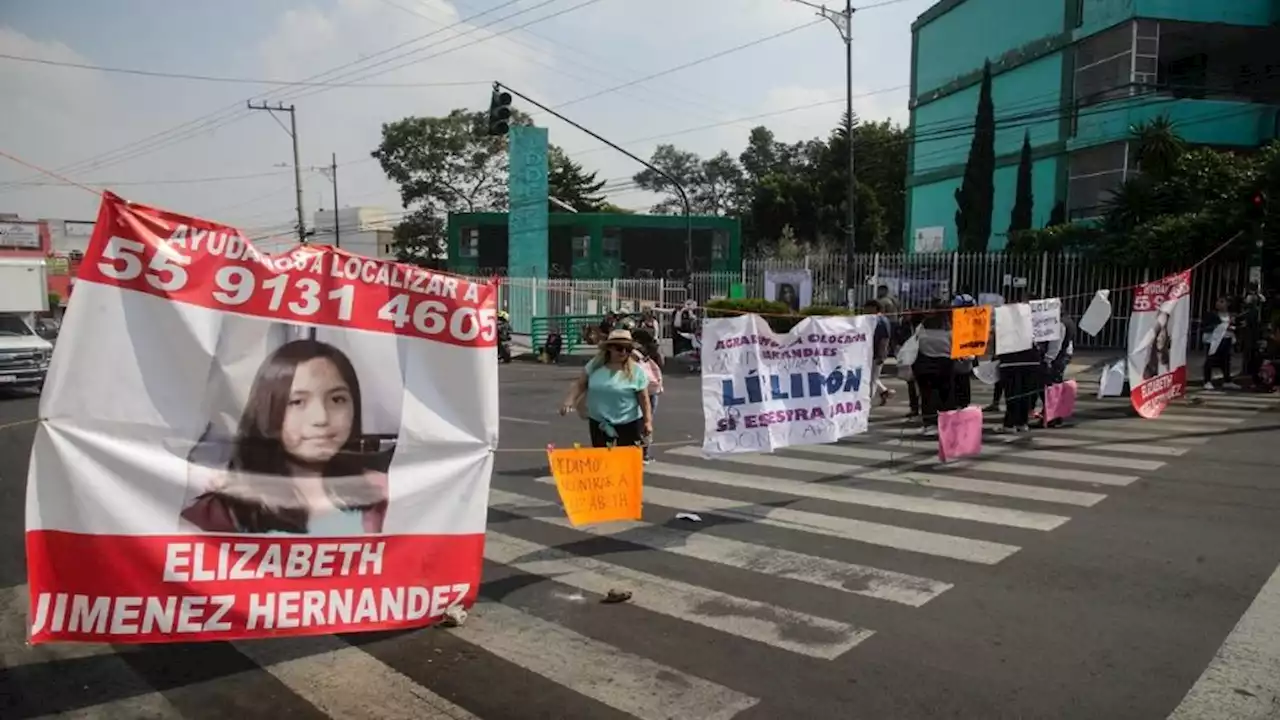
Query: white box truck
24,292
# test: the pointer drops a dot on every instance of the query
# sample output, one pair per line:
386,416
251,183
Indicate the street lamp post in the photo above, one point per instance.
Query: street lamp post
844,24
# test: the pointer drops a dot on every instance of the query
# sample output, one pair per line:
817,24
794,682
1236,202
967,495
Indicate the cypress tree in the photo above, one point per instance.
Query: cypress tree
1024,201
975,198
1058,215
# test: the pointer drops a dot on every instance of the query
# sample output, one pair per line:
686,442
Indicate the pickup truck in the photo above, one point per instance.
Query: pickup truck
24,355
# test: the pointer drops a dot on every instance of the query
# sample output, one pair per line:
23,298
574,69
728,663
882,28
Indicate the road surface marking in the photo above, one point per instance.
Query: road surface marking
852,496
964,484
628,683
348,683
524,420
846,577
975,465
918,541
750,619
1162,424
985,487
1019,447
1137,437
1133,448
1242,682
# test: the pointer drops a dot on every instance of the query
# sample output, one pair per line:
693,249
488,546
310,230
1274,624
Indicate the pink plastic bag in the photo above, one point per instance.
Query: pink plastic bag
1060,401
959,433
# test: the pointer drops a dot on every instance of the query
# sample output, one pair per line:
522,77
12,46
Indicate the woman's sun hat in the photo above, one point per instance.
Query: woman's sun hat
620,337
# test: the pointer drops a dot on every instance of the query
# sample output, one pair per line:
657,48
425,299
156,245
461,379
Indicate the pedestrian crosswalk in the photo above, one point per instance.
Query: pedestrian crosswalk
883,496
741,566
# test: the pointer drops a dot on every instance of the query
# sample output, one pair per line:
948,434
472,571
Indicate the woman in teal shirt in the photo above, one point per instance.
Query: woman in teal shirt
615,389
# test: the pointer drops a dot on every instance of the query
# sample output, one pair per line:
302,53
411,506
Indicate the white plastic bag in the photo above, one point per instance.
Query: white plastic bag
987,371
908,352
1111,384
1097,315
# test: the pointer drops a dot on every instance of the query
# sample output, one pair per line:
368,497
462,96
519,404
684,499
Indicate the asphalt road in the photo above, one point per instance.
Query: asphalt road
1087,572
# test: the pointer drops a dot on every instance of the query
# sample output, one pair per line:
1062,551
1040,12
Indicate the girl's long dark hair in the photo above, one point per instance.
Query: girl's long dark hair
257,448
258,456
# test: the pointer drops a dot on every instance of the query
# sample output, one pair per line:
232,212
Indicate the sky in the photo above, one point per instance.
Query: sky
192,146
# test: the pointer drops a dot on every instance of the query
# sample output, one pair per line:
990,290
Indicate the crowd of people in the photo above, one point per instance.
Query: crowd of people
619,389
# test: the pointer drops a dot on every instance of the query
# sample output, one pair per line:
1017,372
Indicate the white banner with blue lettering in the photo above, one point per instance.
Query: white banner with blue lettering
763,390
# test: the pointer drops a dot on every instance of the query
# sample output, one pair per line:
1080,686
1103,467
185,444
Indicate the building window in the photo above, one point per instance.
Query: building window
470,243
581,244
1104,66
611,243
1093,175
1146,56
719,245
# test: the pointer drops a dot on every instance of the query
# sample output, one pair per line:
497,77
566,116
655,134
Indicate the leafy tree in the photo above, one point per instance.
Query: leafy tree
1024,201
682,166
714,186
421,238
1177,216
975,198
568,182
450,164
445,163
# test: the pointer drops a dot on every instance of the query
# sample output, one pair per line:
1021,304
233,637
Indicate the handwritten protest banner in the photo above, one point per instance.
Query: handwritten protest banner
1013,329
598,485
1046,320
970,329
763,390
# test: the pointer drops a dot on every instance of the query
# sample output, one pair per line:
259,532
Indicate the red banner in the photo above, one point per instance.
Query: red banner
201,263
183,588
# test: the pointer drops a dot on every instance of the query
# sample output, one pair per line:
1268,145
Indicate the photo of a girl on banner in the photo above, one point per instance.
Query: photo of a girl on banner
297,461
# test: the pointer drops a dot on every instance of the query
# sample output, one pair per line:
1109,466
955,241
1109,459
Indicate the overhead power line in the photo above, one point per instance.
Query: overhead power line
233,80
220,117
687,65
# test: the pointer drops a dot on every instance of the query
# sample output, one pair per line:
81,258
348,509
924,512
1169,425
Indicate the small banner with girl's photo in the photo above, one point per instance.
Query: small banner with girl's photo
236,445
1158,329
763,390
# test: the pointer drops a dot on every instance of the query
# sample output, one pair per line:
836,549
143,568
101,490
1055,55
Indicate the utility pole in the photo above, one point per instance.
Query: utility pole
333,175
844,24
292,130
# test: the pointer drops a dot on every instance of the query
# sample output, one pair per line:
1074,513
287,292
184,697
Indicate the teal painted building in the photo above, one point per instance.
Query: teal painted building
599,246
1074,76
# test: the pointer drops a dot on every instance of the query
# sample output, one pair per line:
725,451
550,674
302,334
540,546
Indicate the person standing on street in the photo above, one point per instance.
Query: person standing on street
613,394
1021,376
649,356
933,370
683,322
962,383
890,310
1218,330
879,351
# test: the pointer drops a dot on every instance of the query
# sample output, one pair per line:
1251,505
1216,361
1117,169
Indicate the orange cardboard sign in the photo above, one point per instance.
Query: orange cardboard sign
970,331
599,485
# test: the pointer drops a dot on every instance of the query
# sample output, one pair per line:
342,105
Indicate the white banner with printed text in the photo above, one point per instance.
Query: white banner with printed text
763,390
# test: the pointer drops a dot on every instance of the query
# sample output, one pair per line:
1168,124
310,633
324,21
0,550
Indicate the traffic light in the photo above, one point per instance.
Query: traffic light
1258,206
499,112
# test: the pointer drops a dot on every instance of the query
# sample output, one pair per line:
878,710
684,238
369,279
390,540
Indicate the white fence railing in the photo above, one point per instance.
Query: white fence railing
916,279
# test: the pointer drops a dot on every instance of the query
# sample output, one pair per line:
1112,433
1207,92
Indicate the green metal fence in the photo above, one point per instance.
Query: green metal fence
577,331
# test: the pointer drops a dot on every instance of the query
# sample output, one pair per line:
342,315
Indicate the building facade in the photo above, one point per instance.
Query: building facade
60,242
597,246
366,231
1074,76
